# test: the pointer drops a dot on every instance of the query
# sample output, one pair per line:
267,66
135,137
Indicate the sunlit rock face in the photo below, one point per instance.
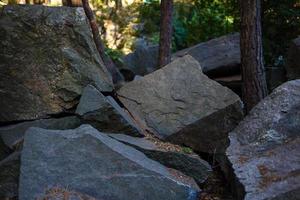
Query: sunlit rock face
264,148
47,56
180,104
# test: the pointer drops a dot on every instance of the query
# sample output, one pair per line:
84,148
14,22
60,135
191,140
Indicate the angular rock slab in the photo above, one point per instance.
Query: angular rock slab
104,113
265,148
189,164
180,104
47,56
14,134
92,163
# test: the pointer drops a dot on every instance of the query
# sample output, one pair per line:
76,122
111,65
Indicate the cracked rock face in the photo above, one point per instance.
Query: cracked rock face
264,148
47,56
180,104
94,164
104,113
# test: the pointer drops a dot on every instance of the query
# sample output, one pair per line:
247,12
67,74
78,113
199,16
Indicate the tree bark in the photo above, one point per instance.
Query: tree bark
253,74
116,76
165,41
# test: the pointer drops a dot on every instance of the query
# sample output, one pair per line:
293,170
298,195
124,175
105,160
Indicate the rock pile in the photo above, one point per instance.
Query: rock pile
65,133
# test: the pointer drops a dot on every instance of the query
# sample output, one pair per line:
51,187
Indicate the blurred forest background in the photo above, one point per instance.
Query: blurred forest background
123,23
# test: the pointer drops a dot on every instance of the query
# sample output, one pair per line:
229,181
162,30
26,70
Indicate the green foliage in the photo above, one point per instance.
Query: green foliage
186,150
194,21
115,55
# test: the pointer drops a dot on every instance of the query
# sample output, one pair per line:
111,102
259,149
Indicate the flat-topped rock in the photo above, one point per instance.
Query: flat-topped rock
47,56
264,148
104,113
92,163
180,104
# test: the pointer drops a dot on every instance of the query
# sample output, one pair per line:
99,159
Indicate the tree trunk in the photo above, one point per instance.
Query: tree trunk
166,10
116,76
253,74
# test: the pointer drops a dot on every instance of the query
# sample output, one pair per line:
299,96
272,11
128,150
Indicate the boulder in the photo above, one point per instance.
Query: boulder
47,56
217,57
264,148
142,61
12,135
94,164
178,103
9,176
189,164
104,113
293,60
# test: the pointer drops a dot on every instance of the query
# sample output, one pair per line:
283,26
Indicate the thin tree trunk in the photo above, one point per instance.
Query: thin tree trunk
254,81
166,10
100,47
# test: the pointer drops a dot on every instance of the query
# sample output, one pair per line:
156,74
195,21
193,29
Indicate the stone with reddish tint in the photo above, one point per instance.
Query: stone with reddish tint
264,149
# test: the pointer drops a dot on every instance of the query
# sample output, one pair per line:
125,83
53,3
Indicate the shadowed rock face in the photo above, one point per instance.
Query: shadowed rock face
220,56
180,104
189,164
104,113
9,176
13,134
293,61
264,148
47,56
92,163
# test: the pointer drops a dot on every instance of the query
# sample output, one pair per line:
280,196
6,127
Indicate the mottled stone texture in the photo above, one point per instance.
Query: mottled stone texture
264,148
92,163
180,104
47,56
104,113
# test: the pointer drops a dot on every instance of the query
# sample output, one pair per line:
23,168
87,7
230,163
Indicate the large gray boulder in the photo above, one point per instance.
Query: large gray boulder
12,135
94,164
293,60
104,113
180,104
47,56
220,56
189,164
264,149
